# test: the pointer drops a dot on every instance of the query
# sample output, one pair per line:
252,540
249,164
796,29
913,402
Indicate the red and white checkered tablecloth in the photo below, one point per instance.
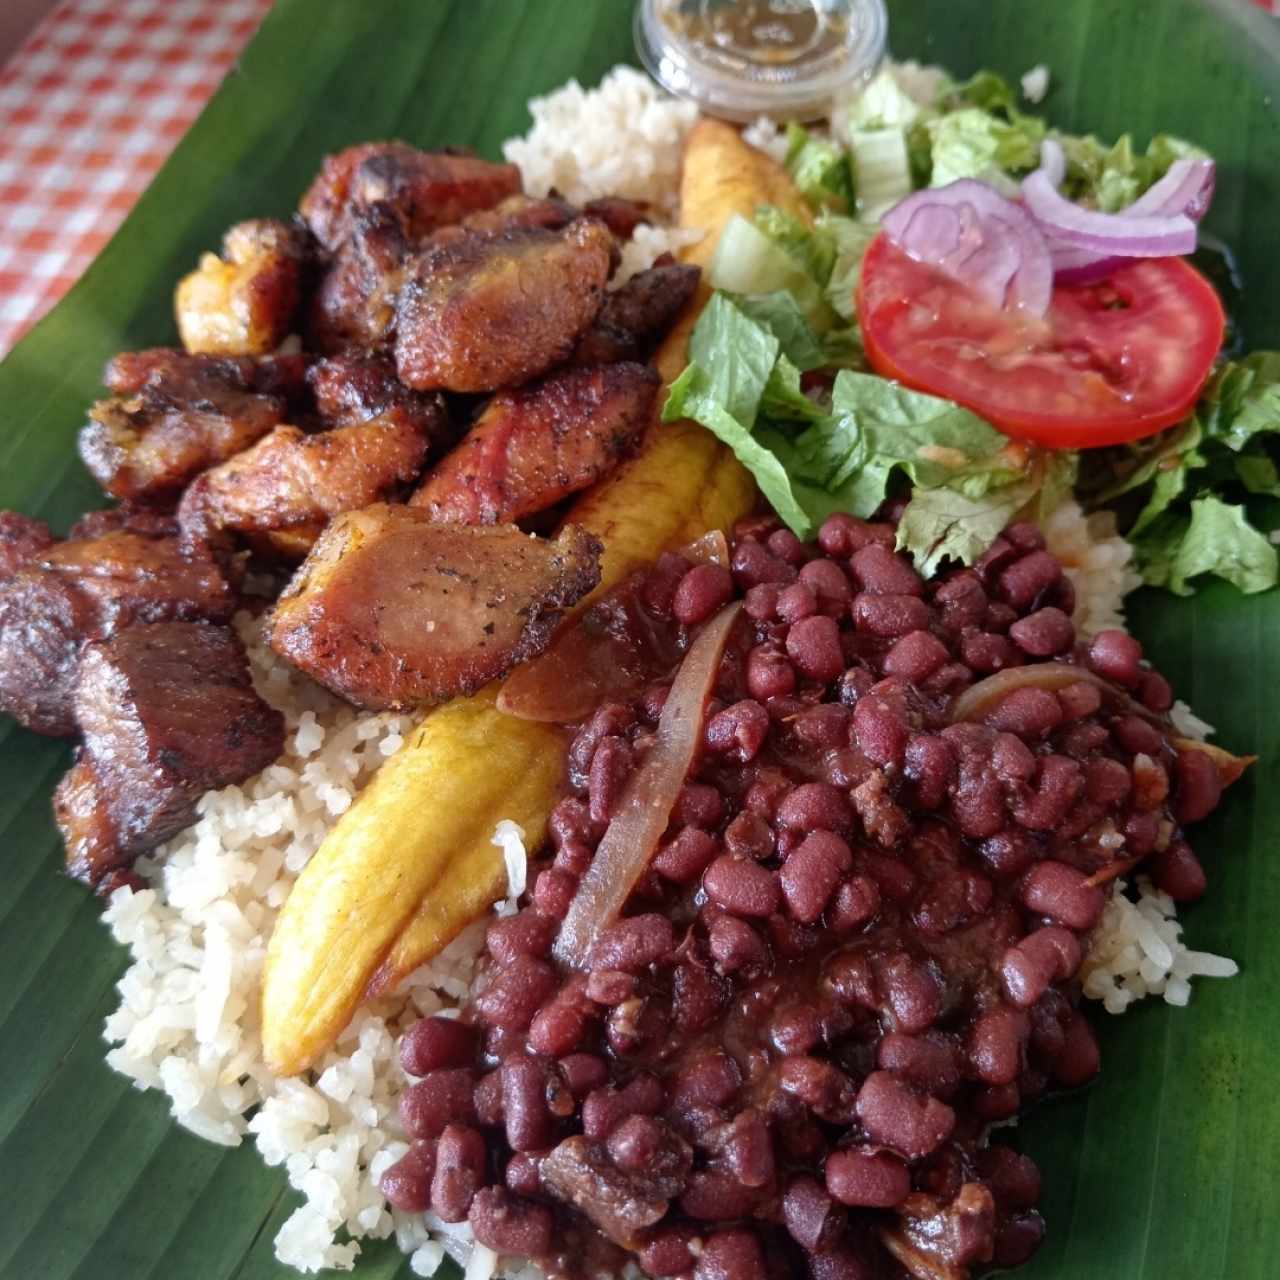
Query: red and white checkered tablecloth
90,107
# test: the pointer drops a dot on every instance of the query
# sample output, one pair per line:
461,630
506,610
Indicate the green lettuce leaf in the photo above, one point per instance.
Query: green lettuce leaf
1109,178
973,143
884,104
1215,537
820,169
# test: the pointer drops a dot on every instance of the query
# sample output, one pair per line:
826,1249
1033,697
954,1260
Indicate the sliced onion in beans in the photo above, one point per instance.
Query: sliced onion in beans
973,234
978,699
632,837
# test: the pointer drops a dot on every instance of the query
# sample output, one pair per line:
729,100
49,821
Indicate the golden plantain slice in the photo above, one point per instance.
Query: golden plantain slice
410,864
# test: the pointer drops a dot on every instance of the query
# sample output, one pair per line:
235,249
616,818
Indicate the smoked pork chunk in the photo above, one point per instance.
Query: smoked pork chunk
428,189
168,712
291,479
393,610
358,385
637,314
87,589
548,212
487,312
174,416
355,300
535,445
244,302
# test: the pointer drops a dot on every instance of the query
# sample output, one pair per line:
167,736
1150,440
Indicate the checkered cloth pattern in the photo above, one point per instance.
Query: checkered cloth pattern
90,107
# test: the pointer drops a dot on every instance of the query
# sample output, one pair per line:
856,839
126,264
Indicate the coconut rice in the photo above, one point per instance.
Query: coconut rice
188,1019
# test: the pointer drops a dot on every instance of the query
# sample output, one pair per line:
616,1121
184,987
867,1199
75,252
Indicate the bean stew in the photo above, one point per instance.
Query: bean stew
855,949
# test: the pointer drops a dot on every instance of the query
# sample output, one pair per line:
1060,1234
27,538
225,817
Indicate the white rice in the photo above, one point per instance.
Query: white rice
188,1018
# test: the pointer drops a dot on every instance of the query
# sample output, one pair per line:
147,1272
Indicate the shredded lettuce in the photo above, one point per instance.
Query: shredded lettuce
1109,178
820,169
1215,537
973,143
882,162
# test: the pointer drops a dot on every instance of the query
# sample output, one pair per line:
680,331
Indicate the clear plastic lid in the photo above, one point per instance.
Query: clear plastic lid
745,58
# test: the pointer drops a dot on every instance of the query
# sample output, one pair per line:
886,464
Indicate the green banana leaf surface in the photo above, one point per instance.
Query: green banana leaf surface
1168,1168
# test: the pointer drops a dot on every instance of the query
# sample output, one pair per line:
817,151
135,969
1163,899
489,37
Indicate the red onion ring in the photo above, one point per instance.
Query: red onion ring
974,235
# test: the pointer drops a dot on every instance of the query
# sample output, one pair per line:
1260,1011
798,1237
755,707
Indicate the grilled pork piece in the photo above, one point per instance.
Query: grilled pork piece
548,212
290,479
636,315
355,301
168,712
21,540
391,609
356,386
535,445
175,415
428,189
491,312
243,303
87,589
175,374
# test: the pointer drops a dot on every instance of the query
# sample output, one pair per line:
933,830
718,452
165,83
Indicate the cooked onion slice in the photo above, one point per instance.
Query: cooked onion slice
633,835
974,235
978,699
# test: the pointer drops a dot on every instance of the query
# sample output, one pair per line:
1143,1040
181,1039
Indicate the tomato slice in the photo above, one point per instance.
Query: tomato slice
1110,362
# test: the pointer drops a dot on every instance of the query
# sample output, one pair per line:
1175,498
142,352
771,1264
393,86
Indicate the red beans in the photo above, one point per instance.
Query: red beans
437,1042
560,1025
708,1081
731,1255
515,991
438,1098
459,1173
1178,873
735,946
1116,655
583,1072
813,1219
605,1108
703,591
633,944
1198,785
813,644
867,1178
929,1061
742,888
1079,1060
795,603
659,588
769,674
527,933
407,1184
611,765
685,857
889,616
898,1117
524,1105
1027,578
881,724
811,873
879,570
752,565
1056,890
1028,712
714,1195
995,1045
667,1252
508,1224
916,656
1048,955
738,731
553,891
815,806
1043,633
829,585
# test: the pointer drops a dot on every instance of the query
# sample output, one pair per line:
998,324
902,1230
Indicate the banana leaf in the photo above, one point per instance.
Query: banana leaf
1168,1167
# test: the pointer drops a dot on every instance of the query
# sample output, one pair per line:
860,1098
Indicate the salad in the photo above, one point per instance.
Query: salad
981,315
